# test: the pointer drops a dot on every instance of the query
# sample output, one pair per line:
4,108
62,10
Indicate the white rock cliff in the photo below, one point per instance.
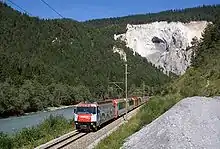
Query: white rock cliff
166,45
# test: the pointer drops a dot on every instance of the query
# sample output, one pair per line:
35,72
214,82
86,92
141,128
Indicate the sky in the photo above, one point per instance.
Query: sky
82,10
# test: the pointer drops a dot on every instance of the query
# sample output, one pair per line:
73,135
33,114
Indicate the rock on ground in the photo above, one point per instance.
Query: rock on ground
192,123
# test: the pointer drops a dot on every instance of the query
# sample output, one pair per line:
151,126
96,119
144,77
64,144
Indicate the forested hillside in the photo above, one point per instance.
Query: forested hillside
61,61
118,25
203,77
58,62
206,12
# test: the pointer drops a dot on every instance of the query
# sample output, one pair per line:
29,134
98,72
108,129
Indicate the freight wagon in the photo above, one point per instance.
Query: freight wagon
90,116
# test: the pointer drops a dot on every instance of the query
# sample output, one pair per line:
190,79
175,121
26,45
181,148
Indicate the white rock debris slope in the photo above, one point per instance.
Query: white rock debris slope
192,123
166,45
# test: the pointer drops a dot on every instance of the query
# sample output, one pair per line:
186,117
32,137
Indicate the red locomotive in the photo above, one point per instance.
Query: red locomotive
90,116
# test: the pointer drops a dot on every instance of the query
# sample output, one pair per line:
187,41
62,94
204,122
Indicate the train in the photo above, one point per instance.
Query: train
90,116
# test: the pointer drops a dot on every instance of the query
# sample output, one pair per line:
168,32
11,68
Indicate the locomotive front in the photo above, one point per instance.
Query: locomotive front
85,116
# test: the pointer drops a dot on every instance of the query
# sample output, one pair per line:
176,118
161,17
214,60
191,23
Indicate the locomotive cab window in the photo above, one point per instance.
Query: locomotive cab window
86,110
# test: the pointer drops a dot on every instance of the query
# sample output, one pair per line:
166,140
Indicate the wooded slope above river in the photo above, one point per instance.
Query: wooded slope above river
61,61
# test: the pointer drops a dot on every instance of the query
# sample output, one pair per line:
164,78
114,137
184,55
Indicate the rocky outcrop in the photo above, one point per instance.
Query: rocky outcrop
166,45
121,53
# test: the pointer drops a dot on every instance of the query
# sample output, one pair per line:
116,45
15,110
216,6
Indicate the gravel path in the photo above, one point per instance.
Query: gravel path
192,123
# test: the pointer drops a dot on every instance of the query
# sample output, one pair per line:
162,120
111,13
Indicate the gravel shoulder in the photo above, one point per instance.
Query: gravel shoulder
192,123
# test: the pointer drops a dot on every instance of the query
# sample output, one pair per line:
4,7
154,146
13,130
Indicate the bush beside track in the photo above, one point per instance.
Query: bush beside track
52,127
156,106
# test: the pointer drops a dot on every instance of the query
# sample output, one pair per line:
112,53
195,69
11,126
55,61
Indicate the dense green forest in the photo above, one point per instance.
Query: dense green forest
205,12
118,25
61,61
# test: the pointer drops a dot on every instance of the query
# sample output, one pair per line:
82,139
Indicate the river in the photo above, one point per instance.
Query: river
13,124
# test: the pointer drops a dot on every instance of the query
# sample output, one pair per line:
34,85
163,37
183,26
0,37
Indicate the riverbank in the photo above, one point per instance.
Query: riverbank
58,108
48,109
50,128
13,124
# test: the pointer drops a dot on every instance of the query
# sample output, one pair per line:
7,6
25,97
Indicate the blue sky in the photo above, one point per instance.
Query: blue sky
91,9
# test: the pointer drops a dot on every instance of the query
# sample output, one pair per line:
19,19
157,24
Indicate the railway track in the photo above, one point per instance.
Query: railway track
62,141
77,140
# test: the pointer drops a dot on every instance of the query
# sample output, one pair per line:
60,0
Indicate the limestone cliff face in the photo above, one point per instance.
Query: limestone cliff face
166,45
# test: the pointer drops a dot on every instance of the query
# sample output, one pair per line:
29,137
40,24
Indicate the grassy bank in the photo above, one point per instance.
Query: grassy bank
51,128
153,109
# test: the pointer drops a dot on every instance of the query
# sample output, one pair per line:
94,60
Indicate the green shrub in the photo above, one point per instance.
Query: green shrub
50,128
5,141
